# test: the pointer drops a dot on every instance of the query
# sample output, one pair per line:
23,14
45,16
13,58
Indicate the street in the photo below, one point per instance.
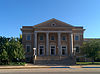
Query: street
51,71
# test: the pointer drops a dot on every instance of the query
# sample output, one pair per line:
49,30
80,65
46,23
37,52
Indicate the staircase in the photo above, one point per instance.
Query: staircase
57,61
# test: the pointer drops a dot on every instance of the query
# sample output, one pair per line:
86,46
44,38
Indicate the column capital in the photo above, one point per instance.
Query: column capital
59,32
47,32
35,32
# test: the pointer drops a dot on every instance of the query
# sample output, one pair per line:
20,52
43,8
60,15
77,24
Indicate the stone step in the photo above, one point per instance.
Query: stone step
68,61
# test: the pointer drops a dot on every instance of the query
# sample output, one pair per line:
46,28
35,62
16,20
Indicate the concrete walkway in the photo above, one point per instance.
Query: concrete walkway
48,66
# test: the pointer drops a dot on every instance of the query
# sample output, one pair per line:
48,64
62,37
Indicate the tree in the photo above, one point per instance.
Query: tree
10,49
3,41
91,48
15,49
4,57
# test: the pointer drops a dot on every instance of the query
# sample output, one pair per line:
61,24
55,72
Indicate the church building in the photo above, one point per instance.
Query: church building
52,42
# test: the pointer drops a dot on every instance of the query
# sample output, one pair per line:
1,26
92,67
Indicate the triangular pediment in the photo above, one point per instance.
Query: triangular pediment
53,23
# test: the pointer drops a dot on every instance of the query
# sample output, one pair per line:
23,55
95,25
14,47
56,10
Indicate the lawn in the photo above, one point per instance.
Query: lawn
88,63
15,64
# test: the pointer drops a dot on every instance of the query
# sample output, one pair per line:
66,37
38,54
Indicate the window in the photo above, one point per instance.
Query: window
41,50
63,37
28,48
53,24
28,37
76,37
52,50
41,37
77,49
63,50
52,37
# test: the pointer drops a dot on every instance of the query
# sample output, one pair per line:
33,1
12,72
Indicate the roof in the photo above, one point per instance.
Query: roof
53,23
89,39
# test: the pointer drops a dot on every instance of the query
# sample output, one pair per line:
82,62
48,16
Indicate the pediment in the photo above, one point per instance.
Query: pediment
53,23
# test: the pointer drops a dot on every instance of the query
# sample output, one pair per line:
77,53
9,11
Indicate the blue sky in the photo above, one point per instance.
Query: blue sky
17,13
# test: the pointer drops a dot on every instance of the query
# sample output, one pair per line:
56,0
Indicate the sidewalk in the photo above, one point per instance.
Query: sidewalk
45,66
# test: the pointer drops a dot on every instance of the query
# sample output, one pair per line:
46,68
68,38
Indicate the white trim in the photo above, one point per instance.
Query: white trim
78,37
78,33
53,25
77,29
55,31
54,50
71,45
59,43
26,48
43,50
27,35
47,43
66,52
27,29
35,42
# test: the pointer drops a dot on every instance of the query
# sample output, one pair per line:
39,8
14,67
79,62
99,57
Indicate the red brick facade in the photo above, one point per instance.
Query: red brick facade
66,38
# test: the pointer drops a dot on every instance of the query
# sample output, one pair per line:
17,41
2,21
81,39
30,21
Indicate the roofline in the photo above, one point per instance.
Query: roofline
52,19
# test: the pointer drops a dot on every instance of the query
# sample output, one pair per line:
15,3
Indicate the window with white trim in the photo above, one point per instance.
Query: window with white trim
53,48
64,50
28,48
28,37
64,38
53,24
41,37
52,38
76,37
41,50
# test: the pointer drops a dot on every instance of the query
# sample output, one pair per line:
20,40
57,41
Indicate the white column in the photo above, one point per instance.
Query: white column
47,43
35,45
59,43
71,42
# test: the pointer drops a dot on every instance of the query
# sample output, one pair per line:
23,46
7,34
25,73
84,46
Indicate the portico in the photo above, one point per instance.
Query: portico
59,45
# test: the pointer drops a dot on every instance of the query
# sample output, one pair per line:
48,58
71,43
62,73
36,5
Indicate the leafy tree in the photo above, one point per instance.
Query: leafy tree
15,49
11,48
91,49
4,55
3,41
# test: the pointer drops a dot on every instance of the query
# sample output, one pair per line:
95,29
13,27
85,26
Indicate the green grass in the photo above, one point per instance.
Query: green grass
15,64
88,63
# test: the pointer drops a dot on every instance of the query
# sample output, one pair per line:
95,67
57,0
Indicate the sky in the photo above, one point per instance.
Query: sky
17,13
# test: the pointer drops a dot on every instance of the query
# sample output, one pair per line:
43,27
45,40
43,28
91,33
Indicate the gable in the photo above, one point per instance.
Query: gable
53,23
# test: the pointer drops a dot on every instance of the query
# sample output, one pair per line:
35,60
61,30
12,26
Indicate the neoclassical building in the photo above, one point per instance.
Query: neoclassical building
52,42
